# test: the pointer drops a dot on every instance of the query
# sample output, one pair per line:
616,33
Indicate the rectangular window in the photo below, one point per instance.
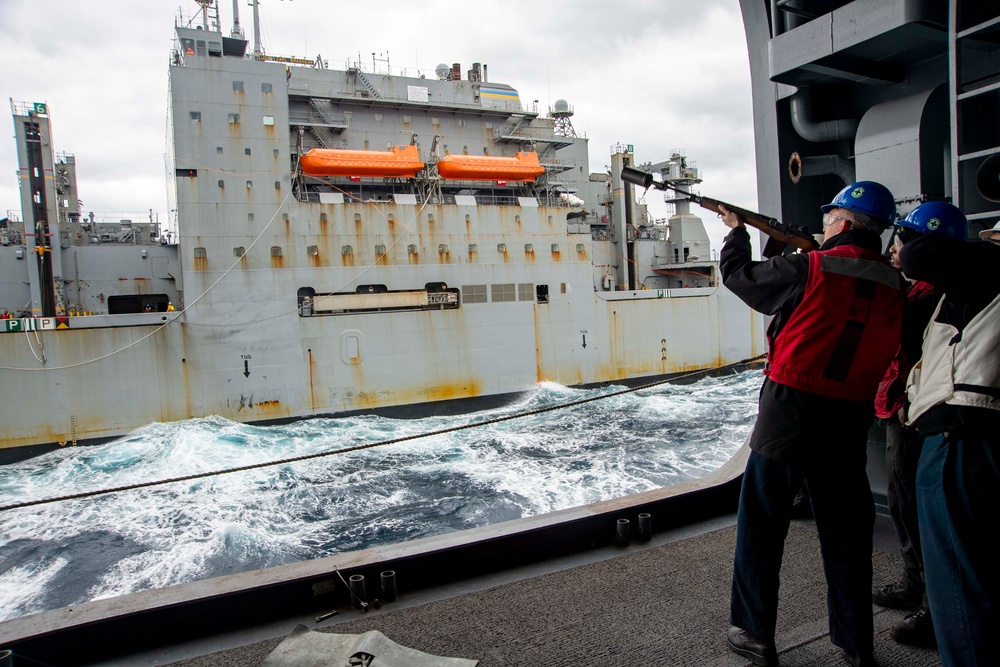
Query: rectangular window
195,115
502,292
187,173
266,88
268,120
525,292
234,118
473,293
238,86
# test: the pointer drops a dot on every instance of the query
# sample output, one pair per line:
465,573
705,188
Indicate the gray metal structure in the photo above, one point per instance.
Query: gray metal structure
302,295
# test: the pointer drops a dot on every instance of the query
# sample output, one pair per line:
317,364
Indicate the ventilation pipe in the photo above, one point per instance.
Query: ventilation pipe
810,130
799,167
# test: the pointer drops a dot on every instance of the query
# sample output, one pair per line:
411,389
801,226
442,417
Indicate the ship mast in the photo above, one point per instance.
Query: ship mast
206,6
237,30
257,50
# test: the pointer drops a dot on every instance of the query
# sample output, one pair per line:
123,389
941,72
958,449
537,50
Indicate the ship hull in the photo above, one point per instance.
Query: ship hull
261,360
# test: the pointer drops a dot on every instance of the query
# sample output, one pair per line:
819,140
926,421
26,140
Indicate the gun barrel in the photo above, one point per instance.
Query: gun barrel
637,177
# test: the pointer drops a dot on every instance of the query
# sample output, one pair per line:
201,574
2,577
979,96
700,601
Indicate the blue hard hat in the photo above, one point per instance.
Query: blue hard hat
937,217
868,197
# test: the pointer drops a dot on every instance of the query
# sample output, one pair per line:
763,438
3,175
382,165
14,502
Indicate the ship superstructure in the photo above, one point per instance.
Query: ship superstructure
356,239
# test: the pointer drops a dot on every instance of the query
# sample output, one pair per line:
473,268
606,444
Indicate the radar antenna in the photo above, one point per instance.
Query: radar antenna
562,111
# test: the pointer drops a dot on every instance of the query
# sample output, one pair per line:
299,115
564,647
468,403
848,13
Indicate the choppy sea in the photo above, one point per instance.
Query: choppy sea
65,553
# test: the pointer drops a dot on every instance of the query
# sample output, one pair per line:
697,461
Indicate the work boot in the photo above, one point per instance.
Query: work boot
755,650
857,660
915,629
899,595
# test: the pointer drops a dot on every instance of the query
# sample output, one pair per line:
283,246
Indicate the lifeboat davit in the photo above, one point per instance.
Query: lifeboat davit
401,161
522,167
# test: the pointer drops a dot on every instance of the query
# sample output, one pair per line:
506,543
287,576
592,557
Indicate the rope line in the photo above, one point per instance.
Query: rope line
357,448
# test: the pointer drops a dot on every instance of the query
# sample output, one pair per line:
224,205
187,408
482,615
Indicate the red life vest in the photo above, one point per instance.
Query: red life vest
892,389
840,339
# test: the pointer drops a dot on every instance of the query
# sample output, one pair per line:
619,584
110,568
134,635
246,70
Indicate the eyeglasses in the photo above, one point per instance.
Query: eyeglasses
830,218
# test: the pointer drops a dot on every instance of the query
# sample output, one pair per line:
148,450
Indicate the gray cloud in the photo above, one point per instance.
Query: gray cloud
659,74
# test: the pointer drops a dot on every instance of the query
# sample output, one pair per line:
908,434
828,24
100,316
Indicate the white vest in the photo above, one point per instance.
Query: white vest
965,373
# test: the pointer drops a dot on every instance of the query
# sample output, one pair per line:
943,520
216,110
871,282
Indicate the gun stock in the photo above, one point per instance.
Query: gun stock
774,229
780,235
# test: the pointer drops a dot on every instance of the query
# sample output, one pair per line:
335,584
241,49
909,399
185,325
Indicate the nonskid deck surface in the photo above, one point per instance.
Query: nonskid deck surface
664,603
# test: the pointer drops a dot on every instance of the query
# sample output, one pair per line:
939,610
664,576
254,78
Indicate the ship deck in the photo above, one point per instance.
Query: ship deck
665,602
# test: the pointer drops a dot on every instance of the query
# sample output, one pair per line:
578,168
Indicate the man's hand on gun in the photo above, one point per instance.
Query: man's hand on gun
729,218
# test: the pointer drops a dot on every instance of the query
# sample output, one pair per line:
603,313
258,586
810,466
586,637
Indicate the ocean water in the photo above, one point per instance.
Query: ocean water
64,553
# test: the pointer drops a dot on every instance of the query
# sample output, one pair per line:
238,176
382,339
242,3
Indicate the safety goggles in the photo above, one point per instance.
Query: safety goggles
903,235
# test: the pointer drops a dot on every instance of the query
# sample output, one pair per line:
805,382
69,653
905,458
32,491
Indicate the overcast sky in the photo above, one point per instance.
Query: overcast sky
658,74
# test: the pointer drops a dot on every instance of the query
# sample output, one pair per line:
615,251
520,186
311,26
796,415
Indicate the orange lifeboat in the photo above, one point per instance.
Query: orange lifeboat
401,161
523,167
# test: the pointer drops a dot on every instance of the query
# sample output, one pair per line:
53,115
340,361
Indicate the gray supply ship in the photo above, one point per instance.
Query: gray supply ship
906,92
347,240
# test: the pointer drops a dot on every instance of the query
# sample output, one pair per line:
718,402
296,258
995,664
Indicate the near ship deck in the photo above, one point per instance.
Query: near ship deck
662,603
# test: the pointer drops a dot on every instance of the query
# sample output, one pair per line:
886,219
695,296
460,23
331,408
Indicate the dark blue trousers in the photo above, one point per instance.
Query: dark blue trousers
902,452
958,499
845,516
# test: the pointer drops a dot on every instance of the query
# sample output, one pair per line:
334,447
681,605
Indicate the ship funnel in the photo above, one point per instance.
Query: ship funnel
456,71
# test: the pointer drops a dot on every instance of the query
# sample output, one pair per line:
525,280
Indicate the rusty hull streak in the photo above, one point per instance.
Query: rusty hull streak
312,380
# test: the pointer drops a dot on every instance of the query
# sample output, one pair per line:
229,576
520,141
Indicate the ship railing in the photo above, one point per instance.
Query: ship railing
316,117
515,132
381,195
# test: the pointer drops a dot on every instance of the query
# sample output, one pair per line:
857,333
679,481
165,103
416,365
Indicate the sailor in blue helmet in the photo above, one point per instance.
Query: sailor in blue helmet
902,444
835,328
954,403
